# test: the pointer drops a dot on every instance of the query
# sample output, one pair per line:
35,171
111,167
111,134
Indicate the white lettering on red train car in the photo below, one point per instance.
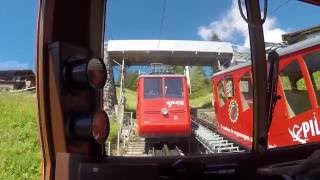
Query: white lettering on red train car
236,133
177,103
301,132
233,111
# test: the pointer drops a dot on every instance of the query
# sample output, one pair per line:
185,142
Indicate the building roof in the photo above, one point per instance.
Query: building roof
283,51
300,35
172,52
161,75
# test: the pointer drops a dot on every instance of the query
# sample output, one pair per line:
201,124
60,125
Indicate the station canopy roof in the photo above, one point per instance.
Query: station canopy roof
171,52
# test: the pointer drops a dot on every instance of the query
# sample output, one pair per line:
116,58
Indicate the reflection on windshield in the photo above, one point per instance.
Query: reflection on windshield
152,88
173,88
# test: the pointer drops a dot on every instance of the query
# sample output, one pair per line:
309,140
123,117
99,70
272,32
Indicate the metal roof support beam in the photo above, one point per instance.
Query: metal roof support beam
259,71
122,100
116,62
187,74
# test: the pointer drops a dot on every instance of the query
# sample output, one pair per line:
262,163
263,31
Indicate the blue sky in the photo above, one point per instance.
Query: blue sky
141,19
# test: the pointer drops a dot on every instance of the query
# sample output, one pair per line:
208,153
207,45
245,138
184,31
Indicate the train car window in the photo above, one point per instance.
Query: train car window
221,93
312,61
173,88
246,91
293,84
229,87
152,88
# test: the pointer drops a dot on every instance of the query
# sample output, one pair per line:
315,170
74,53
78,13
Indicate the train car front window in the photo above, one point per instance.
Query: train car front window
313,64
294,87
221,93
152,88
173,88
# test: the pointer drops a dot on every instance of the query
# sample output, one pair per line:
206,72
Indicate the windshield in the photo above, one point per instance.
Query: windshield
180,88
173,88
152,88
206,99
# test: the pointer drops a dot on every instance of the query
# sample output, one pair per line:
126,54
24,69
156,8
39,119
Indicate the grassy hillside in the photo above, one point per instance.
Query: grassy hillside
19,147
131,98
204,101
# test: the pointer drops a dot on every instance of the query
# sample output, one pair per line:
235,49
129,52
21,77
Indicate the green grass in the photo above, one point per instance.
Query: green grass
114,128
202,102
19,147
131,99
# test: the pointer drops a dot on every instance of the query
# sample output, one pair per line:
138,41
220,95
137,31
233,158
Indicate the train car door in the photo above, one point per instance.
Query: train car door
231,107
245,93
297,93
221,103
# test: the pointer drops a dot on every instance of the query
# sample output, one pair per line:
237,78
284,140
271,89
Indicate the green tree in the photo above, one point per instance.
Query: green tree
130,80
178,69
215,37
200,85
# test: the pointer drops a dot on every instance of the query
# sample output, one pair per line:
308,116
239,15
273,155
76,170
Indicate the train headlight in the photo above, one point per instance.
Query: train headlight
164,111
86,73
89,127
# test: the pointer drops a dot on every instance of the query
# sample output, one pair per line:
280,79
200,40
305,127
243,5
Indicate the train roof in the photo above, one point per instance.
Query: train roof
282,52
161,75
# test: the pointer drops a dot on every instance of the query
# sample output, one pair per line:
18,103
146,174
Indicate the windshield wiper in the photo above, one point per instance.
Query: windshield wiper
273,74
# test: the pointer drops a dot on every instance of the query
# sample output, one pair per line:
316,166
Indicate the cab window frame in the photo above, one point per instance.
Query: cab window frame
159,92
221,100
228,79
245,103
305,76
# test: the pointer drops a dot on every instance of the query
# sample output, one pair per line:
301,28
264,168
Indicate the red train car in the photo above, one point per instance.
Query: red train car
296,114
163,111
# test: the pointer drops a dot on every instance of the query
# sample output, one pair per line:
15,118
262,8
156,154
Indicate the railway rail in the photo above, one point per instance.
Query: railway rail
205,133
136,146
166,151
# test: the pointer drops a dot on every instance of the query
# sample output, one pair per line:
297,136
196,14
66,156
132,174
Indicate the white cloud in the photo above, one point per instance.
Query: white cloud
10,65
232,25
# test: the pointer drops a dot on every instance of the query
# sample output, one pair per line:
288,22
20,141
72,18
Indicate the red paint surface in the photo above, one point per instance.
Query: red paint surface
279,134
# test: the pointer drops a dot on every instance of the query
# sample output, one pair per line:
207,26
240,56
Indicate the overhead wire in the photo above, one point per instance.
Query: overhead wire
271,12
162,18
278,7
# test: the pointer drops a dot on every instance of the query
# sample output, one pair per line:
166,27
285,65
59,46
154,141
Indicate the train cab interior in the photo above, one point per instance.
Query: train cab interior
69,68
